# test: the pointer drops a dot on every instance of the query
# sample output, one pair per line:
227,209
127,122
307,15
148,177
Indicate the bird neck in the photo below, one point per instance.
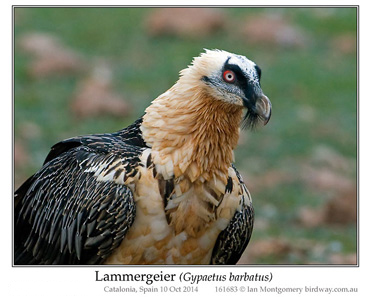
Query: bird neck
191,133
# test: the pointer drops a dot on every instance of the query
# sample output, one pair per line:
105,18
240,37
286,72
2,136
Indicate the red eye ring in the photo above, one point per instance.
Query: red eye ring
229,76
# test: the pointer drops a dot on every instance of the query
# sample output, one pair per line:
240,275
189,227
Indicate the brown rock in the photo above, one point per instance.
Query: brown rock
95,96
343,208
339,210
257,249
341,259
273,29
21,155
185,22
311,217
50,55
345,43
268,180
325,179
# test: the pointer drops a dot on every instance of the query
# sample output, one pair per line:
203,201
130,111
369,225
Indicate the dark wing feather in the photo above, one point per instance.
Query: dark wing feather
63,215
233,240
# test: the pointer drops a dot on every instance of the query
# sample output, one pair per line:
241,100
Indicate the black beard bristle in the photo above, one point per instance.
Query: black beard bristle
250,120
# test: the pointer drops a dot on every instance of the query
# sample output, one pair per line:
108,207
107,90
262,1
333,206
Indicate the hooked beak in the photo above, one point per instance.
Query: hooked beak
263,108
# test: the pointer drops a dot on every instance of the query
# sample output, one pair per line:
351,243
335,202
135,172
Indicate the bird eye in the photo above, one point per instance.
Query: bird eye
229,76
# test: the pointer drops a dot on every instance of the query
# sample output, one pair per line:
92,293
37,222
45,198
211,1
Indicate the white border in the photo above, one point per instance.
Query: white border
66,281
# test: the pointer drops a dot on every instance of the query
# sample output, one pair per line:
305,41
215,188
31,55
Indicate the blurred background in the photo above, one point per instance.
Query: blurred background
92,70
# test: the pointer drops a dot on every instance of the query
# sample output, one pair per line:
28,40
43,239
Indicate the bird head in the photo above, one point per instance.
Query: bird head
233,79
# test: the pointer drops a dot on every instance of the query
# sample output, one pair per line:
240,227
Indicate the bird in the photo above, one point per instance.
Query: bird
163,190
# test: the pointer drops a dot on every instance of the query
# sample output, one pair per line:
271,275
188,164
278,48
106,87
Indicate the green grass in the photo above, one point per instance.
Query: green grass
316,80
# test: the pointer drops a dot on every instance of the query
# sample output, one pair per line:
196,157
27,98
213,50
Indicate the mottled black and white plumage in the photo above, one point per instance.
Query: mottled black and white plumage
232,241
63,215
161,191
